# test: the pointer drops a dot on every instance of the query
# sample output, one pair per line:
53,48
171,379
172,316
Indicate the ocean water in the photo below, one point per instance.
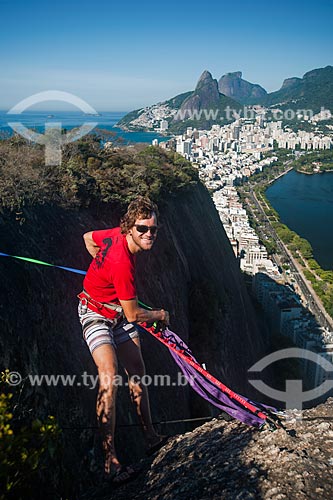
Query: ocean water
305,205
71,119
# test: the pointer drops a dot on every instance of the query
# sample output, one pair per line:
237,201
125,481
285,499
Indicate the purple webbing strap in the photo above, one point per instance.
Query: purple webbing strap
207,389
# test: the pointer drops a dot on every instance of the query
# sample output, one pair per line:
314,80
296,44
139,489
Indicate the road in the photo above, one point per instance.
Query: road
309,295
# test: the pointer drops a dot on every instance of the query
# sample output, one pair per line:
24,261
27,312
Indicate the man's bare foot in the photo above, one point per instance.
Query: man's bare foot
111,464
125,473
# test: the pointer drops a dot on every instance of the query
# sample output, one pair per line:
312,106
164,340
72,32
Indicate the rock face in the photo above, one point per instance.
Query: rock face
312,92
232,85
290,82
205,96
209,101
200,108
191,271
227,460
205,106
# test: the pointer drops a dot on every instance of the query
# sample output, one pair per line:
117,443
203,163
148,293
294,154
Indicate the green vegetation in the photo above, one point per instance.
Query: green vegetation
36,460
312,92
89,174
204,120
173,103
321,280
276,168
270,246
321,159
29,448
299,124
133,115
207,111
258,182
308,94
300,248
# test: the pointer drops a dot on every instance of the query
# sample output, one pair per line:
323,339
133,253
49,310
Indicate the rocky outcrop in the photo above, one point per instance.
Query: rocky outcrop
205,96
209,101
227,460
200,108
191,271
312,92
205,106
290,82
232,85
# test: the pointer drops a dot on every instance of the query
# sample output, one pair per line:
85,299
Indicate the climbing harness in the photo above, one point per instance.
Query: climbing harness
105,309
205,384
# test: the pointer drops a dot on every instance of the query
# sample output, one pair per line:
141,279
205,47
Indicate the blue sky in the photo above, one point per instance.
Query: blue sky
121,55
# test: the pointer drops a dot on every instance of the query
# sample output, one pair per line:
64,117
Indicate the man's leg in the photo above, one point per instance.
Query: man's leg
106,362
129,354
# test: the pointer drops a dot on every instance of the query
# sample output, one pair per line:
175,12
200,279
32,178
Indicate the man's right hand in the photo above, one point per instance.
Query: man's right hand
135,314
165,317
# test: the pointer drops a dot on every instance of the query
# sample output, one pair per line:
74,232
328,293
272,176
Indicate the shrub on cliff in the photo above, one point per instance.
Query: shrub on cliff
88,174
28,448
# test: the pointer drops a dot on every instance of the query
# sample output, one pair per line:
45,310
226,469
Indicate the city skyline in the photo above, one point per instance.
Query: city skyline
120,57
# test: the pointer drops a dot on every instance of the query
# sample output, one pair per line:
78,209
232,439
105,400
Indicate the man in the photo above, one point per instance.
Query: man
108,311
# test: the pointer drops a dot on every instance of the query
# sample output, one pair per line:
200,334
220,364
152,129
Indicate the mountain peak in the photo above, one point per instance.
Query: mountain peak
205,79
207,88
232,85
235,74
207,104
205,99
314,91
319,72
289,82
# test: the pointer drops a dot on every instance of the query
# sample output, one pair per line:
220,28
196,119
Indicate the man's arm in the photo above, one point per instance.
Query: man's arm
134,313
90,244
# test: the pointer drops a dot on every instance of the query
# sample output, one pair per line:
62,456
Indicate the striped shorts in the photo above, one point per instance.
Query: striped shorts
98,330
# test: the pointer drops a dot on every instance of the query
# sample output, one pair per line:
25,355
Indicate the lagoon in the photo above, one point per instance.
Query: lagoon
305,204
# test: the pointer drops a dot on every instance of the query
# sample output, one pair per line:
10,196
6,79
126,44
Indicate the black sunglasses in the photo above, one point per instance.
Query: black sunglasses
144,229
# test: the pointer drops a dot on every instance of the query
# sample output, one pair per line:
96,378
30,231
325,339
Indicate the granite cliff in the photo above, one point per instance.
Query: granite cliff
200,109
233,85
228,461
313,91
192,272
206,105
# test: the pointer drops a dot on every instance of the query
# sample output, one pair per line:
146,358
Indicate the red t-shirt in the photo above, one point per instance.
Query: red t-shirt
111,274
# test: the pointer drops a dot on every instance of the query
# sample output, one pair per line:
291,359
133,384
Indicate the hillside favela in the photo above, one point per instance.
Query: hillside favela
166,251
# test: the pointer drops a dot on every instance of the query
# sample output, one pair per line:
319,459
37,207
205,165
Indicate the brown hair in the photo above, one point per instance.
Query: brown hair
140,208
